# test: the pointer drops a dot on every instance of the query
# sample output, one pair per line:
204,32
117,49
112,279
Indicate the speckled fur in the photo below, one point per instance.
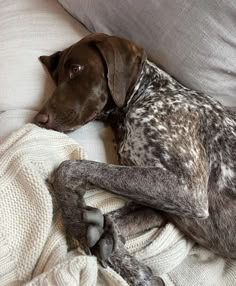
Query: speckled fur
191,135
178,151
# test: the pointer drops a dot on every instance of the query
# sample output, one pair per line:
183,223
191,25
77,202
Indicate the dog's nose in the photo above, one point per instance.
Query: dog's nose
41,119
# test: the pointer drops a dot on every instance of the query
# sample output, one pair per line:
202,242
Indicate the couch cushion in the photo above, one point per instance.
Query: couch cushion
29,29
195,41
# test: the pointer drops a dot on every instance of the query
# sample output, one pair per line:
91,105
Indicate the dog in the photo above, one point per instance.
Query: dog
177,150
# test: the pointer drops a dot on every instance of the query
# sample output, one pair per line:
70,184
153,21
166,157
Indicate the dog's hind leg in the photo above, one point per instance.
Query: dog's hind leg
134,219
134,272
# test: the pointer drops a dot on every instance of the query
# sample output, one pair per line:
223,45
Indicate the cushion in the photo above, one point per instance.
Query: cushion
32,28
195,41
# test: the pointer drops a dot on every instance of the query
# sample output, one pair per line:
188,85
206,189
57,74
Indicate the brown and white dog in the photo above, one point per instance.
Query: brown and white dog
177,150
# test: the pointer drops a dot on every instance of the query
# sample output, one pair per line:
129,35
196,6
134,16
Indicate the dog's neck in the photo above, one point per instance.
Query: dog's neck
151,76
154,80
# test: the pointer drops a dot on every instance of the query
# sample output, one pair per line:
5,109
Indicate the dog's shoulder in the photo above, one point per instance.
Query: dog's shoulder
165,121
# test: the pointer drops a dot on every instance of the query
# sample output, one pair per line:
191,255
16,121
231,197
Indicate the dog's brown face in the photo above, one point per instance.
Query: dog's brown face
97,71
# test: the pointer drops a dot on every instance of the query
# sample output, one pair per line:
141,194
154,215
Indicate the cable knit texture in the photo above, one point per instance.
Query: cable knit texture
33,249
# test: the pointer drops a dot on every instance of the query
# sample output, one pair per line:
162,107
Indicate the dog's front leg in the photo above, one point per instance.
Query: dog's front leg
152,186
97,234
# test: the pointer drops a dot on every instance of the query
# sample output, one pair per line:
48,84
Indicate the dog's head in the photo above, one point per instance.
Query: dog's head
97,72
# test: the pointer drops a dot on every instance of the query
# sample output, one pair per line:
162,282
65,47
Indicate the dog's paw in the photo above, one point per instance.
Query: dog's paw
95,232
84,224
94,221
107,243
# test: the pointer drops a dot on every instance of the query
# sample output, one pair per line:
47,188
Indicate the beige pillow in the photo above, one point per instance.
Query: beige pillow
29,29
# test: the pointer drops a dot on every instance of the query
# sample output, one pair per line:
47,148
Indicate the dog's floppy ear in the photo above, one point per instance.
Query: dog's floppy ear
124,62
51,63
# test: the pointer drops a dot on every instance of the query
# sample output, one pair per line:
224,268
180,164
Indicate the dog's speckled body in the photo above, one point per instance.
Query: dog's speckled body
178,151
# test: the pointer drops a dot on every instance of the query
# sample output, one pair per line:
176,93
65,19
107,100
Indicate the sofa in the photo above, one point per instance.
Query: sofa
194,41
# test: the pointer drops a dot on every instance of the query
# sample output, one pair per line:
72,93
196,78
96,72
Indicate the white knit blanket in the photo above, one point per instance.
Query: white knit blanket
33,249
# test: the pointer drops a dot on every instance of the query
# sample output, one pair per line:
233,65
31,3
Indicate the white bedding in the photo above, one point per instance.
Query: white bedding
96,138
33,247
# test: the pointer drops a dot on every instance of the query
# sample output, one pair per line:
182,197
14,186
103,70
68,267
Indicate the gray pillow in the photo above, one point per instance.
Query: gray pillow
195,41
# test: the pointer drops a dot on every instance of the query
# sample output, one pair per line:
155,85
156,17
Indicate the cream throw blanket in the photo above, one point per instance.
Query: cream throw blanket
33,249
